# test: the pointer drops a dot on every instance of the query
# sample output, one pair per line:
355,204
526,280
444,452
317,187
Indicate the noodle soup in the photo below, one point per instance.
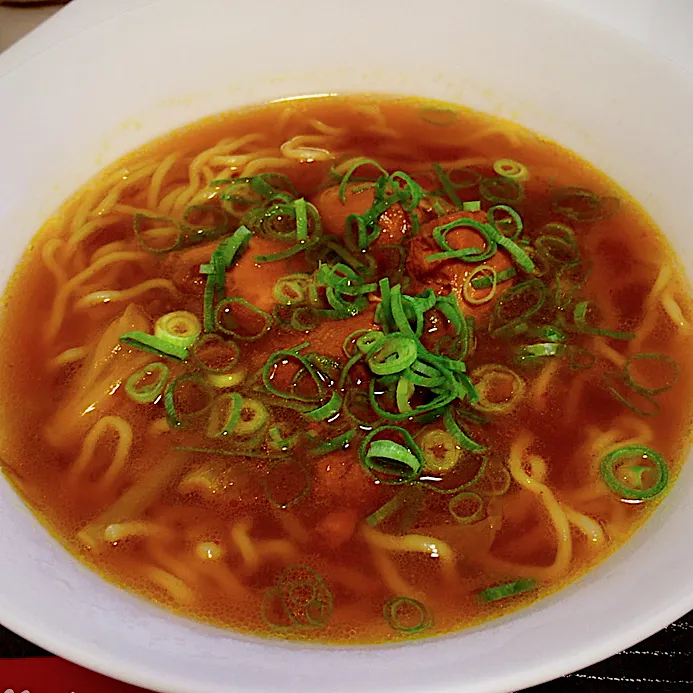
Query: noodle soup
346,369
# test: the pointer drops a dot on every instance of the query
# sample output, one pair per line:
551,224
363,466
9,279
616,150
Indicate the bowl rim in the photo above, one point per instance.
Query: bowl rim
618,641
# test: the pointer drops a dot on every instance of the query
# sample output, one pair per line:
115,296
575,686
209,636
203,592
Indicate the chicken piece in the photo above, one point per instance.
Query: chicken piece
246,278
394,221
448,276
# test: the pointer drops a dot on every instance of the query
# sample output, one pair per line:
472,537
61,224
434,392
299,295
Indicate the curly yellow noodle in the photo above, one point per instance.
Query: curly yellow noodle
391,577
60,302
115,247
136,499
158,179
48,252
266,163
673,310
649,313
116,192
119,296
124,432
240,536
588,526
307,148
293,527
70,356
195,175
135,528
542,383
564,544
85,231
277,548
414,543
326,129
174,586
379,125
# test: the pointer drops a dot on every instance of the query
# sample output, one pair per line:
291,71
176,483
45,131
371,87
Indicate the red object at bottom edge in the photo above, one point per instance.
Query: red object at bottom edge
54,675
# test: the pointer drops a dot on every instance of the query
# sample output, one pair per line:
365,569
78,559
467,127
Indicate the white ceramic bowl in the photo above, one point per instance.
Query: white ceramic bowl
81,103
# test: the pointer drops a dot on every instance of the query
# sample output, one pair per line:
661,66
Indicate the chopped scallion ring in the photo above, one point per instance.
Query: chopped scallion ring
146,385
645,478
440,451
253,417
407,615
508,168
466,507
225,415
396,462
180,327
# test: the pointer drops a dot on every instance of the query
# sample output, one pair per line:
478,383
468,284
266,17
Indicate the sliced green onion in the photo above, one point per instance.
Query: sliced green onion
618,479
398,462
358,163
253,417
508,168
548,333
159,239
556,250
461,511
387,510
155,345
664,363
580,313
487,281
180,327
407,615
471,206
301,600
501,190
516,306
291,289
231,379
227,323
327,410
519,256
175,415
394,355
492,376
280,441
638,401
511,589
440,451
581,204
225,415
404,391
216,355
486,232
512,220
340,442
530,352
146,385
196,231
460,437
